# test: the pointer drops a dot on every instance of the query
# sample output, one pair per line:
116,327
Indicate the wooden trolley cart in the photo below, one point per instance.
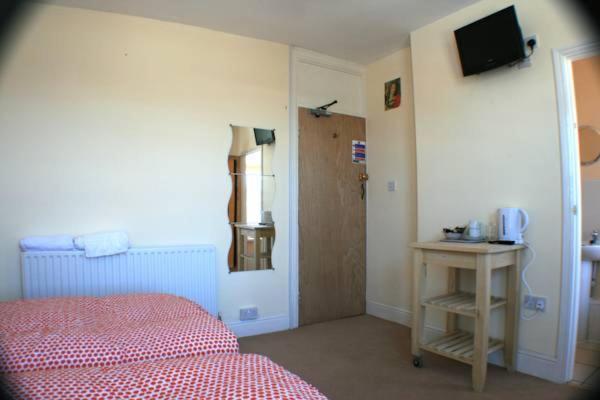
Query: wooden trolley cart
469,348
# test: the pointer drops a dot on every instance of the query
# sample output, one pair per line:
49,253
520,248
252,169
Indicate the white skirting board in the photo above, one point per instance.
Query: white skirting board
530,363
259,326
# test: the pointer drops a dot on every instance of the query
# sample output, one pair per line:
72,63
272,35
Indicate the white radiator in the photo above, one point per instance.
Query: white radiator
188,271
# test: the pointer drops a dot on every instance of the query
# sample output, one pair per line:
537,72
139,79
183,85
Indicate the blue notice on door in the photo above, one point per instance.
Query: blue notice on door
359,152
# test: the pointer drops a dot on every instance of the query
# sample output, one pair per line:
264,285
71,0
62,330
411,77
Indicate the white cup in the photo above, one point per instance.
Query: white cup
474,229
266,217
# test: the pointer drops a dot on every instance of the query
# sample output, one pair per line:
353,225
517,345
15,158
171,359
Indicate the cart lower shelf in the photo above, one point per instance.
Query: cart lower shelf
461,303
459,346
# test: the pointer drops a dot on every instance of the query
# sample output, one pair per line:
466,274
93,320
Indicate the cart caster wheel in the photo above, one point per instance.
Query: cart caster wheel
417,362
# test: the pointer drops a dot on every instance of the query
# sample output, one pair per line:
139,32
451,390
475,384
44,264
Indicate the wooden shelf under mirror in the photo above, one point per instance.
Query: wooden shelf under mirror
255,244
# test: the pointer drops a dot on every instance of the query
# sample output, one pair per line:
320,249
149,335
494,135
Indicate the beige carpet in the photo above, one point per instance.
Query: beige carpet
369,358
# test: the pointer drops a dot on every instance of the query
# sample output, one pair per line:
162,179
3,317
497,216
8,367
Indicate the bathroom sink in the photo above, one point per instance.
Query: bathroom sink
590,252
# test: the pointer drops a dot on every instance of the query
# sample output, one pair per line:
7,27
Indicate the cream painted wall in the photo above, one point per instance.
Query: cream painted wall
492,141
320,79
117,122
391,216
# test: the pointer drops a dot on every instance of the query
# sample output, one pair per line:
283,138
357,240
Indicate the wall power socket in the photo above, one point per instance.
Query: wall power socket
248,313
526,63
536,303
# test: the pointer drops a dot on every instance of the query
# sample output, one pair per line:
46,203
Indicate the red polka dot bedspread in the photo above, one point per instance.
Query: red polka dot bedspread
79,332
212,377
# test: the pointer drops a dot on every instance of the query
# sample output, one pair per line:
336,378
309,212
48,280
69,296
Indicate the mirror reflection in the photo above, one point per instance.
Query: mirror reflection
589,145
251,201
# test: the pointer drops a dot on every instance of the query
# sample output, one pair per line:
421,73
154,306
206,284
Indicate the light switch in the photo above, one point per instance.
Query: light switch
391,186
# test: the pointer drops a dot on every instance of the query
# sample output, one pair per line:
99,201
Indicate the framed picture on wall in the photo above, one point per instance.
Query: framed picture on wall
392,94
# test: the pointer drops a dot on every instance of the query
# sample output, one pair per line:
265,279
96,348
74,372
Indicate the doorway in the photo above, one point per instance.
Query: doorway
331,218
586,79
571,288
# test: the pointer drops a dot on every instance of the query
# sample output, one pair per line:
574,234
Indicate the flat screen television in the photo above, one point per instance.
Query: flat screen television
264,136
491,42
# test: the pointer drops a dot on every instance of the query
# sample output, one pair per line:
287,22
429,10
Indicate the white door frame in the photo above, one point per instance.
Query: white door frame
294,284
571,204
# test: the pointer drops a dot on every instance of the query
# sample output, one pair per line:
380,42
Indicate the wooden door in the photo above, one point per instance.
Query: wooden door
332,218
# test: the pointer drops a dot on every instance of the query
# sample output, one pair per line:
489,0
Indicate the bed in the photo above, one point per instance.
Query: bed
142,346
212,377
79,332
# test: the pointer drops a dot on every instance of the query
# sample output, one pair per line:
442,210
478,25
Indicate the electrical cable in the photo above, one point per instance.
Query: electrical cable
531,43
526,284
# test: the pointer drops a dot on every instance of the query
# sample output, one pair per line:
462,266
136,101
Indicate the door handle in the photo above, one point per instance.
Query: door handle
362,178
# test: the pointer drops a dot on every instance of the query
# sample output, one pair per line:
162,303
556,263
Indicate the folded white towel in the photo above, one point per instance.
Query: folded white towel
47,243
102,244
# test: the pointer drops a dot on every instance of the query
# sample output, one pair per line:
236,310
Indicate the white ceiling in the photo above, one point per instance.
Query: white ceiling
355,30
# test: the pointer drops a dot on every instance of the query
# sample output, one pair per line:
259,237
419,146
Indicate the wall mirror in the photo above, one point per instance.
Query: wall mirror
253,189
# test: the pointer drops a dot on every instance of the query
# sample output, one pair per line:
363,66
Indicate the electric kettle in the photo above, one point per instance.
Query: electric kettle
512,223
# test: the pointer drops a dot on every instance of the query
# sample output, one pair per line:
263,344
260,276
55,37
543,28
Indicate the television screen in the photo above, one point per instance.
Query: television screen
264,136
491,42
